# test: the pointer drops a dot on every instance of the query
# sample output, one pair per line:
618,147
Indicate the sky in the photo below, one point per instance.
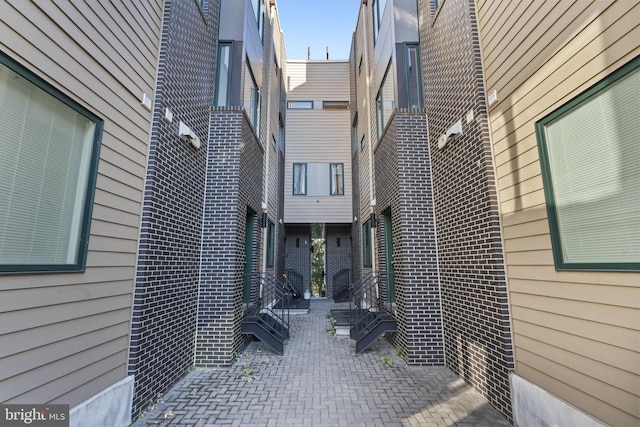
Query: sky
318,24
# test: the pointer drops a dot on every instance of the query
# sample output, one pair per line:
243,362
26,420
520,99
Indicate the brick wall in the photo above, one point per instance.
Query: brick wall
403,188
472,278
298,253
234,185
337,257
164,310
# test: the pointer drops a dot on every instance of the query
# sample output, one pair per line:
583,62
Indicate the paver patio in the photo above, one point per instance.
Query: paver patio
321,381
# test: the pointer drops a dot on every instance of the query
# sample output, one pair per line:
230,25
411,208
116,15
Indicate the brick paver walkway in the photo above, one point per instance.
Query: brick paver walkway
321,381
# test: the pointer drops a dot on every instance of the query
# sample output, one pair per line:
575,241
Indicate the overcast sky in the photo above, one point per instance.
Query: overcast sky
318,24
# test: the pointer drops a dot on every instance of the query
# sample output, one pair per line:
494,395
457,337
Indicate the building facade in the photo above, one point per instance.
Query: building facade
84,80
452,156
574,312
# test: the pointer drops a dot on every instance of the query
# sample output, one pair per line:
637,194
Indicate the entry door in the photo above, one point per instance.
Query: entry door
388,257
248,256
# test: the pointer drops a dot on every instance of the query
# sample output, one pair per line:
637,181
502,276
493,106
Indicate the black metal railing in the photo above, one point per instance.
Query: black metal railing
296,279
271,301
372,293
341,285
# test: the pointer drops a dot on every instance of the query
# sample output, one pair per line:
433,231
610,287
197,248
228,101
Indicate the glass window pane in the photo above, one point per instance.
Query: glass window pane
337,179
224,67
414,79
300,178
46,152
592,157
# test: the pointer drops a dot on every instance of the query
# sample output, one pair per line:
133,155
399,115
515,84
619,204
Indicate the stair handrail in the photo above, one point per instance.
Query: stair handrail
272,296
369,294
296,279
342,281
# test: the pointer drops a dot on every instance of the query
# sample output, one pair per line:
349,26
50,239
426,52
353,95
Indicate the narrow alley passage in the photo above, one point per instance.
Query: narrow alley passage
321,381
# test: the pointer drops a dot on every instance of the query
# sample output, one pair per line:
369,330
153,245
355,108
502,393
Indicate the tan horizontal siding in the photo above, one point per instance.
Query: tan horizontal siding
61,331
73,329
576,332
551,376
45,384
318,136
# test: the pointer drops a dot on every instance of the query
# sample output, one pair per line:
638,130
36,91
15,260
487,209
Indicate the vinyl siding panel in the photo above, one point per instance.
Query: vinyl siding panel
318,136
576,333
68,333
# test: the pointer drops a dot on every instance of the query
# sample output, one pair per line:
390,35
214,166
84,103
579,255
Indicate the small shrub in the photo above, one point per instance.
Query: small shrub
386,360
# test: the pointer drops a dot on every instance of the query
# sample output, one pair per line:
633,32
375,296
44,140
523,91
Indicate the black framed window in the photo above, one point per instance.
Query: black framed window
414,76
49,152
589,156
300,105
299,178
337,179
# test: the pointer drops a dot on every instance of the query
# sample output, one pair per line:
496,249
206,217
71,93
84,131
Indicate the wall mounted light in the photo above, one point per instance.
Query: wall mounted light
451,133
187,135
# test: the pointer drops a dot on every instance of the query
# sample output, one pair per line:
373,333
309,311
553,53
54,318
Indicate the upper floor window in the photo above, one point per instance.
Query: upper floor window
367,259
223,77
281,133
378,9
258,9
271,243
337,179
385,101
300,178
414,76
354,134
49,151
252,98
300,105
335,105
589,156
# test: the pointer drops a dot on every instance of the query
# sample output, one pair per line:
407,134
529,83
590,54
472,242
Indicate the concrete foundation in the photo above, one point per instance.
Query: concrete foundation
534,406
111,407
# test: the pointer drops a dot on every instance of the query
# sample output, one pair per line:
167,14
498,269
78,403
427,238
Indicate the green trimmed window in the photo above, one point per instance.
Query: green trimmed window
367,259
49,149
271,234
590,160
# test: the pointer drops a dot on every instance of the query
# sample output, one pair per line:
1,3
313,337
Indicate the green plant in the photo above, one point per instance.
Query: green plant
331,329
247,372
328,315
386,360
399,351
